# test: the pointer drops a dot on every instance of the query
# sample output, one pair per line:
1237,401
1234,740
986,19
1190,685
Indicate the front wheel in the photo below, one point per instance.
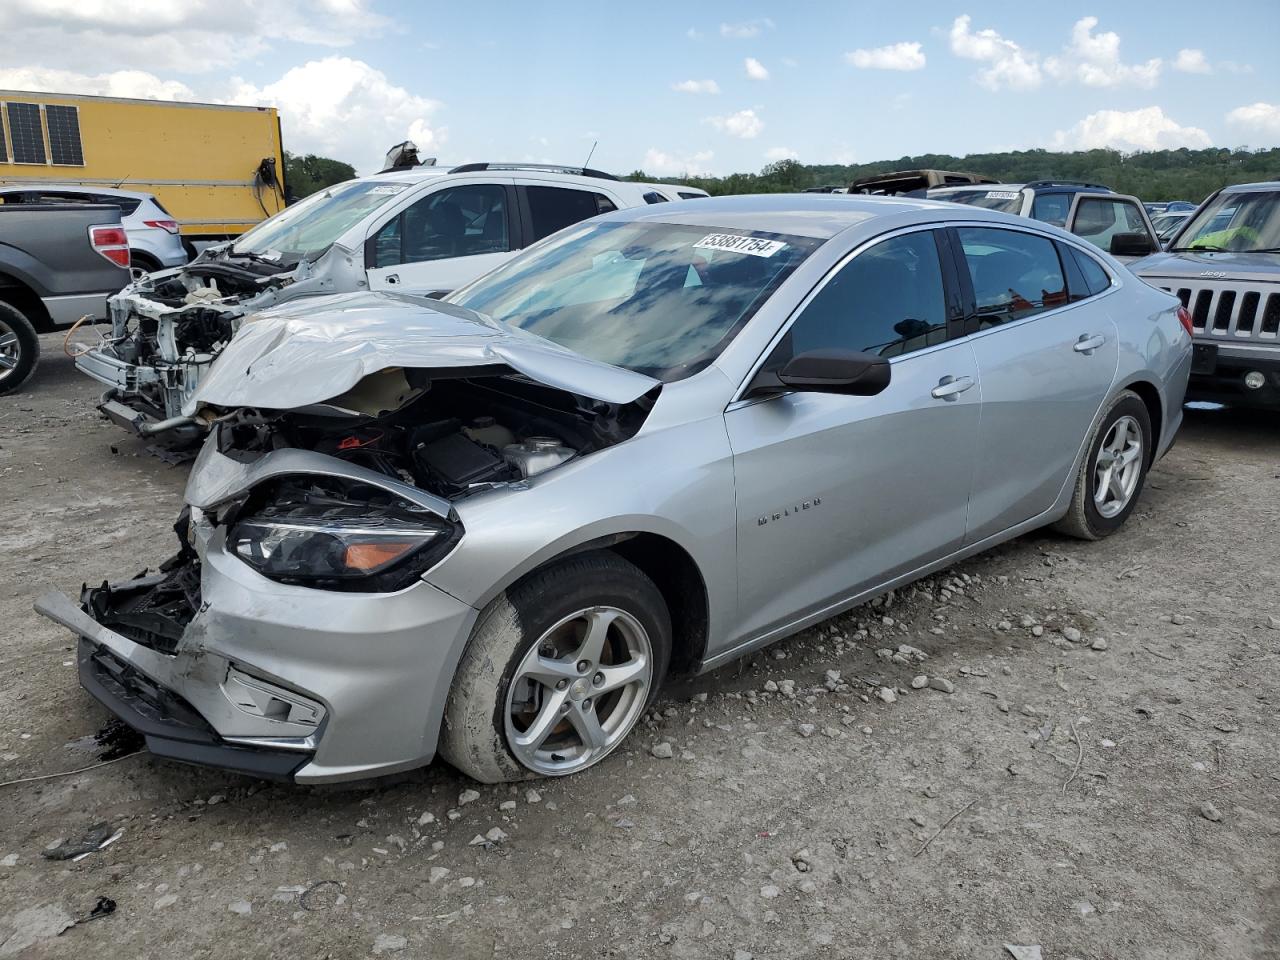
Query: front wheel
558,671
1113,471
19,348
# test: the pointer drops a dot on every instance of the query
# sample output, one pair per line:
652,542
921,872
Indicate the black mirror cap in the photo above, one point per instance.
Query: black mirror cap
1131,245
836,371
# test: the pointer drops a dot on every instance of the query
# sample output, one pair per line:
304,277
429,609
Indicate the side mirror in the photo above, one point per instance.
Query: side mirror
1131,245
828,371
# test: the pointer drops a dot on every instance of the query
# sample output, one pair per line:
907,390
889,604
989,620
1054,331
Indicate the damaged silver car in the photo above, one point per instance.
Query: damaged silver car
490,528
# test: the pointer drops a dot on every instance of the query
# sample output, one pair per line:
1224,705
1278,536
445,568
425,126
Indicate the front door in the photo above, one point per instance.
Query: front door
1114,223
839,493
444,240
1045,361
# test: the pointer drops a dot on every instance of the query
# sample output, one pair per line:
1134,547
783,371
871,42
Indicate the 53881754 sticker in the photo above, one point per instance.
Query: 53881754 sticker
752,246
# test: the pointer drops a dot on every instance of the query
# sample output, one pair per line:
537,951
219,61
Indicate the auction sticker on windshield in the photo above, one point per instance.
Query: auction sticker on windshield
1002,195
752,246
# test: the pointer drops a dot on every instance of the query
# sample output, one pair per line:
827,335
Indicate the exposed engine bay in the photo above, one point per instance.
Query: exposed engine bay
450,436
167,328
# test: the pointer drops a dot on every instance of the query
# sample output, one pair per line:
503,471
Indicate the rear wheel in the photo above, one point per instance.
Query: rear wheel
1113,471
558,671
19,348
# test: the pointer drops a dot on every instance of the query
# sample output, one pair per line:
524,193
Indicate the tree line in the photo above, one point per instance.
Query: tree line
1156,175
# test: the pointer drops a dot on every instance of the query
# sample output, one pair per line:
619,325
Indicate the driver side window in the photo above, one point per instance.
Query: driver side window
886,301
459,221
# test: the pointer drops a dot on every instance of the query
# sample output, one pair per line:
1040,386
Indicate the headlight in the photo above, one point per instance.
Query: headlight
306,531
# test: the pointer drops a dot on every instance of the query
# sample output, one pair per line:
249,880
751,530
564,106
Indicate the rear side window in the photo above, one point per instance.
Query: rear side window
554,208
1014,274
1051,208
1095,278
653,196
127,205
888,300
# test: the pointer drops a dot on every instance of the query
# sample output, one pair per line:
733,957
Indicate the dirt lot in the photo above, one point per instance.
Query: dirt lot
1101,799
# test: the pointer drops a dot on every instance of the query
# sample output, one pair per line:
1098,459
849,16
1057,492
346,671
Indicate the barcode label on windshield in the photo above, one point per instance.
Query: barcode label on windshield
751,246
1002,195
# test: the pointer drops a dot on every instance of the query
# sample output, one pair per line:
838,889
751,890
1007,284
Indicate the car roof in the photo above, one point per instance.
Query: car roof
76,188
817,215
416,175
1265,186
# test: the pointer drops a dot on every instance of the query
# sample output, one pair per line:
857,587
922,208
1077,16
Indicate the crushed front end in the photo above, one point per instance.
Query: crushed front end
167,328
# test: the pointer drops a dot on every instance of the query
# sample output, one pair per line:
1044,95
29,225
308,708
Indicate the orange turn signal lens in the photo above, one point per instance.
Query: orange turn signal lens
370,556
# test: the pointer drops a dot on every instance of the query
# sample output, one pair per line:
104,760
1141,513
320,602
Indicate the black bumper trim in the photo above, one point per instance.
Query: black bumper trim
172,727
1221,380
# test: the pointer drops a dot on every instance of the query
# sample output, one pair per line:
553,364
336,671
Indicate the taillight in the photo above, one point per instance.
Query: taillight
168,226
1184,318
112,243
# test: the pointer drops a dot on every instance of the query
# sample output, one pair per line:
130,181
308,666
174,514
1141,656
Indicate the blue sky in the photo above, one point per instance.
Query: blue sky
716,87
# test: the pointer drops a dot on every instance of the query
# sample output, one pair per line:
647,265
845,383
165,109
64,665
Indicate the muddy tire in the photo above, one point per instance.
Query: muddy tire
1113,471
558,671
19,348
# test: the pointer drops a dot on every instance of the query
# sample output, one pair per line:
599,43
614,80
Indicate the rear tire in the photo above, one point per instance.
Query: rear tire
532,637
1119,452
19,348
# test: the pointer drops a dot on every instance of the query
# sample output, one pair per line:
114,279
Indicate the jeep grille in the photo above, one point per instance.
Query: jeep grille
1231,310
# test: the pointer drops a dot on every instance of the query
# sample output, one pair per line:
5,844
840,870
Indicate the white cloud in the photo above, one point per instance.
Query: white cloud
774,154
693,33
118,83
755,69
1261,118
1145,129
1191,61
346,109
194,36
669,165
745,30
1008,64
895,56
744,124
696,86
1093,59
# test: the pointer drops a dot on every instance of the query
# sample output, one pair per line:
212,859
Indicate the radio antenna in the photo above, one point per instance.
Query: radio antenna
589,155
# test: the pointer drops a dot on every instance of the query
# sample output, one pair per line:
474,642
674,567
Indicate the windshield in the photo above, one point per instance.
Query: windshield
1167,224
309,227
1006,201
657,298
1239,222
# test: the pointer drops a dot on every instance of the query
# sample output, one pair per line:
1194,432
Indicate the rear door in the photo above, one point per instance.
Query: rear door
444,239
1046,360
838,493
1114,223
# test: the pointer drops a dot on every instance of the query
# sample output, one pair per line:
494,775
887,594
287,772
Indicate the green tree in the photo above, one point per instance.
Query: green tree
305,175
1152,175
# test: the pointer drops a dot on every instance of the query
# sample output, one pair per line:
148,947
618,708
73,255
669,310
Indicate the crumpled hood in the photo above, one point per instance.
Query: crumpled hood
318,348
1209,265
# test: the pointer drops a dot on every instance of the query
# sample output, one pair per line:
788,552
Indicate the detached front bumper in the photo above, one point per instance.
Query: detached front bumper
280,681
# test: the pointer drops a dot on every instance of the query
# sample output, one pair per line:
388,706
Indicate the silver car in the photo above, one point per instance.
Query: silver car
656,441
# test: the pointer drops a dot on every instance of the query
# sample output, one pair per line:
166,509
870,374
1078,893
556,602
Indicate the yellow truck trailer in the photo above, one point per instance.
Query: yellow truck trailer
217,169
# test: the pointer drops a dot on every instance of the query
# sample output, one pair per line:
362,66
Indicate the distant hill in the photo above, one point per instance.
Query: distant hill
1155,175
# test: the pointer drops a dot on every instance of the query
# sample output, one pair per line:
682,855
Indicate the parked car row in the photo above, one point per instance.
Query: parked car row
489,526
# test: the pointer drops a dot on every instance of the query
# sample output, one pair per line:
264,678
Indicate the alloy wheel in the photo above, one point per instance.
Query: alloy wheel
9,350
1117,467
579,690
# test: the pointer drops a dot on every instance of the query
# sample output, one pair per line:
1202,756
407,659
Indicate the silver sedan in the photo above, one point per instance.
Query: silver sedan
656,441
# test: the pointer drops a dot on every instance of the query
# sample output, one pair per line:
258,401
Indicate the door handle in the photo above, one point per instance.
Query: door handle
1087,344
949,387
393,278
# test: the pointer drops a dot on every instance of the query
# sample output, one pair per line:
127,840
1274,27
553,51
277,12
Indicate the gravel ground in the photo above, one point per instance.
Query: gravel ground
1092,766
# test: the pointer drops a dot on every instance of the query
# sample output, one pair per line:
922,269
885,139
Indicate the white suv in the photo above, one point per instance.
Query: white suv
424,230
